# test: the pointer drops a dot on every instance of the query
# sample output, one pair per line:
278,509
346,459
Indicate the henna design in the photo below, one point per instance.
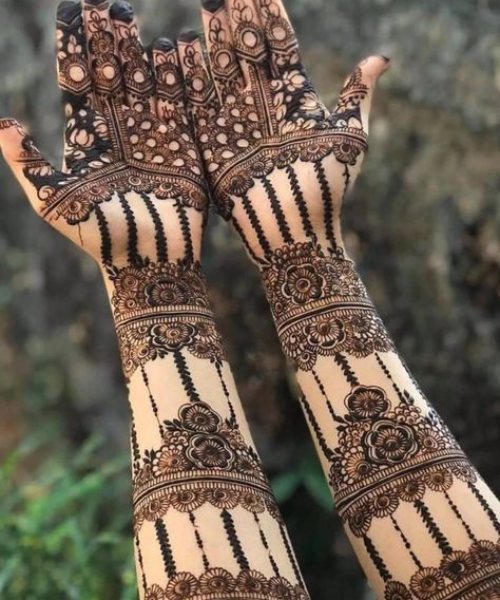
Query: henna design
132,191
320,306
203,459
161,308
275,122
111,147
264,137
217,583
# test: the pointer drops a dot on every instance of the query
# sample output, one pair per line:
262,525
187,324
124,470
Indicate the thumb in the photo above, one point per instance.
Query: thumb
38,178
356,97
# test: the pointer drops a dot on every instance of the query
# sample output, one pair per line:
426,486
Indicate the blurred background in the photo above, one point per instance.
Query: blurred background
423,222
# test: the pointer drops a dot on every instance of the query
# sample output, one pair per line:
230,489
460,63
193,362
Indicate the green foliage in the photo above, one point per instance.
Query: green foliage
306,473
66,532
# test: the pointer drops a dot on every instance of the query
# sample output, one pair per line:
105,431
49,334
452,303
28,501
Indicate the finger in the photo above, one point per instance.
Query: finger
224,64
279,35
198,83
73,69
103,52
249,39
171,106
355,101
169,84
38,178
137,73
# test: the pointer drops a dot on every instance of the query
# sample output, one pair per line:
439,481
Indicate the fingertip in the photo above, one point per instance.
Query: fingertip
212,5
374,66
164,44
188,36
68,12
122,11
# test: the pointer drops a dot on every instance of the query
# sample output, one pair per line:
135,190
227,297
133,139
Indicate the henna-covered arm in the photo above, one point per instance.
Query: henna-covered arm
422,521
132,195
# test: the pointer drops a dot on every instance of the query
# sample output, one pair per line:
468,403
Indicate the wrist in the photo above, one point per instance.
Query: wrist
320,305
160,308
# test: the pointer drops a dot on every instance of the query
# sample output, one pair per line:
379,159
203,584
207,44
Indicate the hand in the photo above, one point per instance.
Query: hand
279,162
131,187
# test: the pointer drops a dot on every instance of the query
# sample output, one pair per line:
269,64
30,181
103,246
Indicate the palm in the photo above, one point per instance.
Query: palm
131,174
266,138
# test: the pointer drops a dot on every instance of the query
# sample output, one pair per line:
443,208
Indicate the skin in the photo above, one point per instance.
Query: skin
278,165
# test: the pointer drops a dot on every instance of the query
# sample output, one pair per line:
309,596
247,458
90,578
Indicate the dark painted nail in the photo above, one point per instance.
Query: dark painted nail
122,11
67,12
188,36
387,59
164,44
212,5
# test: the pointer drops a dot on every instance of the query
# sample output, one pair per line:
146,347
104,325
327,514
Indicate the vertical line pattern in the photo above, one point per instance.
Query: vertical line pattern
241,233
434,531
266,545
291,555
349,374
199,541
106,244
454,508
154,406
186,231
376,559
254,221
232,536
326,195
406,542
321,387
161,240
277,211
166,548
141,563
300,201
347,179
134,443
185,375
226,391
387,373
486,507
133,254
316,428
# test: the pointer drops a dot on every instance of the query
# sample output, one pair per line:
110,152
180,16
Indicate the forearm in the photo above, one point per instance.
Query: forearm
408,496
202,502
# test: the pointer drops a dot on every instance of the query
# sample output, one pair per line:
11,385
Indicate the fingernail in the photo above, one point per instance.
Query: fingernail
122,11
212,5
67,12
188,36
386,58
164,44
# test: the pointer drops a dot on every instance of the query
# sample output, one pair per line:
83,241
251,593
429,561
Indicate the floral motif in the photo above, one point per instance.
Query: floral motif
210,452
485,553
457,565
377,441
367,402
427,582
197,443
199,417
181,586
389,443
301,281
397,591
218,582
162,308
